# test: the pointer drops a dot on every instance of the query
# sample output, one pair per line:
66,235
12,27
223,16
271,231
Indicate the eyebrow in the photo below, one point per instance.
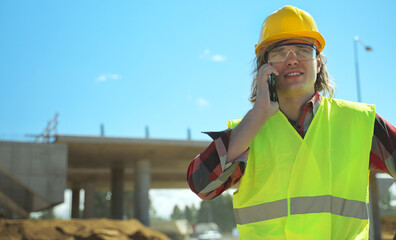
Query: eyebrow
303,46
277,49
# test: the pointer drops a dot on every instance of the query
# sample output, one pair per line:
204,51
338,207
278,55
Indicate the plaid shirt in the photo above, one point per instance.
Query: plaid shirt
209,174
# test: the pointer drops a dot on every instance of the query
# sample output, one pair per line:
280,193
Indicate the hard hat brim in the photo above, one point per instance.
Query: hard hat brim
282,36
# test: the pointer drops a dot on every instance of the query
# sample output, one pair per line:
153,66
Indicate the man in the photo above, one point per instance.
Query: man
302,162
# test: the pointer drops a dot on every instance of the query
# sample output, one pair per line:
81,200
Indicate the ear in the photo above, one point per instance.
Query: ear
318,64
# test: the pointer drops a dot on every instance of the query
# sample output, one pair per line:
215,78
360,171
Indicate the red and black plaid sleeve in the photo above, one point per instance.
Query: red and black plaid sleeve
383,150
209,174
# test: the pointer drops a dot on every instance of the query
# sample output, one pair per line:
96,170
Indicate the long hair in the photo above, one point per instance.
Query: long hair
323,82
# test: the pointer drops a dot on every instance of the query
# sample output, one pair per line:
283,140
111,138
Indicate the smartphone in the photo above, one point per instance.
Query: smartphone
272,88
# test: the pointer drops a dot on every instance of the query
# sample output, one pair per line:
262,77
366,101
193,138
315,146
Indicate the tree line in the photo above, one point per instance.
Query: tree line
218,210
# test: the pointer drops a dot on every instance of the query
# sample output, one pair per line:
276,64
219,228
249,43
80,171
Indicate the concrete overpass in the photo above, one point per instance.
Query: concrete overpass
118,164
33,176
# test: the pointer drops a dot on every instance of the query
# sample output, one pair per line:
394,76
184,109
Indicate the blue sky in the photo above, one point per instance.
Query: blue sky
169,65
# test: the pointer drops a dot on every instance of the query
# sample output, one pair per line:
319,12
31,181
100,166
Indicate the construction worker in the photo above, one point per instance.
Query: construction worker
302,160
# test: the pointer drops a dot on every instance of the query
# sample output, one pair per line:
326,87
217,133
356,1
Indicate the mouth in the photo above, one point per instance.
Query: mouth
293,74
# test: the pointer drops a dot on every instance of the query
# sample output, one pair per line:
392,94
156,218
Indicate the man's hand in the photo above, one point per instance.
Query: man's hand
243,134
263,107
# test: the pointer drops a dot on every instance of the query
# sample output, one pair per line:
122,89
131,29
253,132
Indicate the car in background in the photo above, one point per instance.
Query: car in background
206,231
209,235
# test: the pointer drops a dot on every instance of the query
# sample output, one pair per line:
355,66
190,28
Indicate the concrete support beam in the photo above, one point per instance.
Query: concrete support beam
89,200
10,209
374,213
117,193
75,207
141,194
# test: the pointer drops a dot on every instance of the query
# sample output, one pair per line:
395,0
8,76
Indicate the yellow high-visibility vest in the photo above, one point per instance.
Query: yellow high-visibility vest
311,188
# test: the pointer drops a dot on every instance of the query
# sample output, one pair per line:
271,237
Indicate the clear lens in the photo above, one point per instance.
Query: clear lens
302,52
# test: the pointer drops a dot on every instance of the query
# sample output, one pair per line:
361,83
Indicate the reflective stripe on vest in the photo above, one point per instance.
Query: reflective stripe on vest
301,205
261,212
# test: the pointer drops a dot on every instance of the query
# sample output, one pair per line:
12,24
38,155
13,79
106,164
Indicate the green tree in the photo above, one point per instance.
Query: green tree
218,210
205,213
153,214
128,204
102,204
48,214
195,214
177,213
188,213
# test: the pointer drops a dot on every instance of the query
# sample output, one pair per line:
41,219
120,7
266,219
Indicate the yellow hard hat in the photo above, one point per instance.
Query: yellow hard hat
289,22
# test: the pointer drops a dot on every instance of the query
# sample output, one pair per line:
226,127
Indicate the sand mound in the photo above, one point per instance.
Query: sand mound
78,229
105,229
388,227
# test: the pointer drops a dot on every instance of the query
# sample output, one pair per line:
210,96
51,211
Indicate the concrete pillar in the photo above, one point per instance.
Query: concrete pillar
374,213
75,205
141,194
117,193
89,200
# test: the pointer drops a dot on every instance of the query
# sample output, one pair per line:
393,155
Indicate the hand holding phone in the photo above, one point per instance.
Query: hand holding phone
272,88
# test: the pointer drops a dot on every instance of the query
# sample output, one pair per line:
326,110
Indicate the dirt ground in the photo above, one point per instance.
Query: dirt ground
105,229
77,229
388,227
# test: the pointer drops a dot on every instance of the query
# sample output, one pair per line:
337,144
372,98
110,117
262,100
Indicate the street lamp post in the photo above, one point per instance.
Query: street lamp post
357,40
374,216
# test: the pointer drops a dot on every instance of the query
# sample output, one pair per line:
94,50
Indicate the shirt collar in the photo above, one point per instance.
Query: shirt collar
313,103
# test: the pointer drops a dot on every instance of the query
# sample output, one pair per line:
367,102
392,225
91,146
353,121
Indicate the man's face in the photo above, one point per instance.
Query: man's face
298,67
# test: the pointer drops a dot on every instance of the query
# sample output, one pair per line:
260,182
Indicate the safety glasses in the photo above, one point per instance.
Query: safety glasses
302,51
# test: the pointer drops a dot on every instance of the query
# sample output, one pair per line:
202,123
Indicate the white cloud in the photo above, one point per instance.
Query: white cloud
105,77
202,103
207,55
101,78
218,58
114,76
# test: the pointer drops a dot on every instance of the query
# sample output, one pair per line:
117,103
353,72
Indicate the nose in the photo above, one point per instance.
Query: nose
291,58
